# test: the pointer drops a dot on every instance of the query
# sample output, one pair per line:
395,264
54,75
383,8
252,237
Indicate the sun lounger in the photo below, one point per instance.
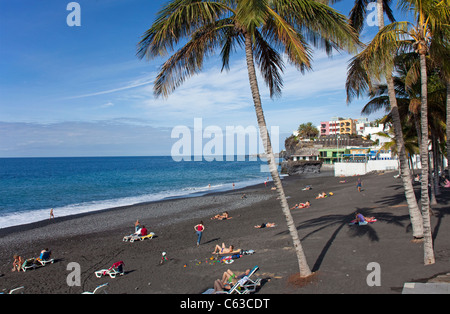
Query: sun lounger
31,263
98,290
245,285
44,262
18,290
251,284
113,271
134,237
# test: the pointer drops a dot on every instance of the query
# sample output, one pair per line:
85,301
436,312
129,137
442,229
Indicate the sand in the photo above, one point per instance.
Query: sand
342,257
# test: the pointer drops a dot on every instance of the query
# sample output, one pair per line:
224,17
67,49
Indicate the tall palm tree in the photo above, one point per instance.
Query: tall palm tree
430,16
261,27
358,82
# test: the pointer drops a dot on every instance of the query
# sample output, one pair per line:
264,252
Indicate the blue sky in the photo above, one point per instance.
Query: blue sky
81,90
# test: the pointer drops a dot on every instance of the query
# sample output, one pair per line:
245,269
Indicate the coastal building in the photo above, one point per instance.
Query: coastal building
347,126
331,155
307,153
331,127
338,125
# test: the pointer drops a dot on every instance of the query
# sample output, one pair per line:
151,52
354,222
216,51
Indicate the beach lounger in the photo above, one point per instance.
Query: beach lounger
245,285
31,263
142,238
251,284
45,259
134,237
18,290
98,290
113,271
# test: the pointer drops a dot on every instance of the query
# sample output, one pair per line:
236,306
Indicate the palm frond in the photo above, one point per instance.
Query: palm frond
315,19
270,64
188,60
177,20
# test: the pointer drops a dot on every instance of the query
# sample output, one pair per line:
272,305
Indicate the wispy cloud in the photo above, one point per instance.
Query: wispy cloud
127,86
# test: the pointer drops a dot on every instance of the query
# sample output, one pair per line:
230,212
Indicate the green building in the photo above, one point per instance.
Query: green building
332,155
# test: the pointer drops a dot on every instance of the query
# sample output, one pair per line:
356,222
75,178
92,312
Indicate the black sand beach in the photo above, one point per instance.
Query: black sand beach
337,252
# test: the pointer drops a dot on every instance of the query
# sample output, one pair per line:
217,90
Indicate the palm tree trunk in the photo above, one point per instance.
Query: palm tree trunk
436,156
428,240
302,263
414,212
448,126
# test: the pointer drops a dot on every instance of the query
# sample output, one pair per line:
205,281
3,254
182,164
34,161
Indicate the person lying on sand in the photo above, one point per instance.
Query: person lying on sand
301,205
223,216
321,195
223,249
304,205
268,225
362,220
308,187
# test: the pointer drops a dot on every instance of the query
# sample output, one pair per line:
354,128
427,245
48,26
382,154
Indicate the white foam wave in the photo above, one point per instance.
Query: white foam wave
25,217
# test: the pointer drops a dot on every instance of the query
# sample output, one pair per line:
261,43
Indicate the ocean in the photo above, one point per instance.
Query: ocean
30,187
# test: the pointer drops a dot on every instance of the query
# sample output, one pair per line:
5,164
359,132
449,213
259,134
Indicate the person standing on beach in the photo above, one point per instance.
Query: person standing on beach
199,230
359,184
51,213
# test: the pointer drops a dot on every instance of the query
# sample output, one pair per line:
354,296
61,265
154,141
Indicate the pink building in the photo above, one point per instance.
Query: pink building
329,127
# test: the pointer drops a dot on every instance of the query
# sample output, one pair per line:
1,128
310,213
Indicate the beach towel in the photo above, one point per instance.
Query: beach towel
230,259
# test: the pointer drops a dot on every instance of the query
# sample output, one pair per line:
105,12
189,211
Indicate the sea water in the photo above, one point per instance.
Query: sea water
30,187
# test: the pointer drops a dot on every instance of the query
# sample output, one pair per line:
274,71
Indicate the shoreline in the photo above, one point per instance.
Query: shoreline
337,252
40,223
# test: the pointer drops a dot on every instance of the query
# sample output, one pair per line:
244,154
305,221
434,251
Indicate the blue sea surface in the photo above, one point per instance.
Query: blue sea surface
30,187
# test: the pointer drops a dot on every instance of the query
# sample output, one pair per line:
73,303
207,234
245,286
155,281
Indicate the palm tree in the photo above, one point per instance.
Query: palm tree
358,82
260,27
430,17
307,130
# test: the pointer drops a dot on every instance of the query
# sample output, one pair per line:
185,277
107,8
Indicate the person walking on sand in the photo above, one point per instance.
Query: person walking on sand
199,230
359,184
51,213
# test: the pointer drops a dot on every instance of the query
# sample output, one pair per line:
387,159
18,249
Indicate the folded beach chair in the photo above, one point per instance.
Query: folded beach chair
113,271
98,290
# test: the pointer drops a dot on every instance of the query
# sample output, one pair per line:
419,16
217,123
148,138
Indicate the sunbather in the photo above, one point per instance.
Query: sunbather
228,280
362,220
223,216
17,263
321,195
45,254
264,225
303,205
141,232
223,249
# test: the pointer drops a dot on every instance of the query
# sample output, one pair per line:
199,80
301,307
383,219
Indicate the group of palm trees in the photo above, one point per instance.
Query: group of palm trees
271,31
